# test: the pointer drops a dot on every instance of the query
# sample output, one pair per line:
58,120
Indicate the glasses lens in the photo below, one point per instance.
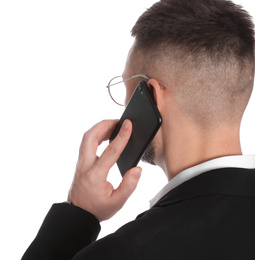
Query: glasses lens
117,90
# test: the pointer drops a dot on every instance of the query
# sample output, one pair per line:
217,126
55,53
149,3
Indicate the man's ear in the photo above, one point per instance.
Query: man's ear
157,92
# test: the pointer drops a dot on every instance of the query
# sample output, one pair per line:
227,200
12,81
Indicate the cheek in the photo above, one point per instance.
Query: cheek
129,92
159,144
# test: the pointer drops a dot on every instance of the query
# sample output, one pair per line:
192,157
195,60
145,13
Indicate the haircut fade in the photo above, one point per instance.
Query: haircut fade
206,49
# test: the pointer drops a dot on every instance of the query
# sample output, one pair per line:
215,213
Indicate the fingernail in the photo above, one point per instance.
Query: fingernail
137,172
125,125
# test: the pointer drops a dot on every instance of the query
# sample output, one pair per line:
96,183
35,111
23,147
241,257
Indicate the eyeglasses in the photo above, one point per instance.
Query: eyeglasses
117,89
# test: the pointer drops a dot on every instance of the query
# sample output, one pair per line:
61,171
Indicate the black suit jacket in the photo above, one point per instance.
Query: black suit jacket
211,216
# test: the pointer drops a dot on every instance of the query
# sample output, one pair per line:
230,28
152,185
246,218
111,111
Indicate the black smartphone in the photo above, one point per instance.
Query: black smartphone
146,120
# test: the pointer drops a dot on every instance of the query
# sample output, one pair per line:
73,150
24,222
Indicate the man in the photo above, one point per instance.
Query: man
199,58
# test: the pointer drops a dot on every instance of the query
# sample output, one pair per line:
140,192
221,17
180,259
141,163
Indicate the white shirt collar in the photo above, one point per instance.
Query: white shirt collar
237,161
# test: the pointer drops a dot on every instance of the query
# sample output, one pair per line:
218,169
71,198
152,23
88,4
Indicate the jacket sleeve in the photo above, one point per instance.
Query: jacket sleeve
65,231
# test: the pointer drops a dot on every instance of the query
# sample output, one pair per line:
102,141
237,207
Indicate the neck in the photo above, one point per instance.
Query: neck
190,146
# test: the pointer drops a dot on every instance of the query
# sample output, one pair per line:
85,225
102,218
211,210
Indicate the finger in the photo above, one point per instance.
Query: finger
96,135
127,186
93,138
114,149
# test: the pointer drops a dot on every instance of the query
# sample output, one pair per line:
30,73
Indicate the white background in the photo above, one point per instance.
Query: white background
56,58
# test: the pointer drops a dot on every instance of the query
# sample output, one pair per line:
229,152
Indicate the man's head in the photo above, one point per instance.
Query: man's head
200,55
201,52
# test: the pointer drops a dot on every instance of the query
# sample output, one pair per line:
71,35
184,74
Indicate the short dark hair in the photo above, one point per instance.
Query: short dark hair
214,37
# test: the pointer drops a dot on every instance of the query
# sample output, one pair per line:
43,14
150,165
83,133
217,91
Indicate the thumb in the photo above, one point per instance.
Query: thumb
128,185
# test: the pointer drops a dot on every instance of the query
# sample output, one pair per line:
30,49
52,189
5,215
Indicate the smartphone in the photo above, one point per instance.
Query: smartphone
146,120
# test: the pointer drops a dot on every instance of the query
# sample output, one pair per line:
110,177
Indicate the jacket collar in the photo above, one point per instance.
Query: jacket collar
234,161
227,181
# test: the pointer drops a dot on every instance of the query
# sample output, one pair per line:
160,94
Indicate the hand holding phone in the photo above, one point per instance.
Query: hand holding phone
90,189
146,120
